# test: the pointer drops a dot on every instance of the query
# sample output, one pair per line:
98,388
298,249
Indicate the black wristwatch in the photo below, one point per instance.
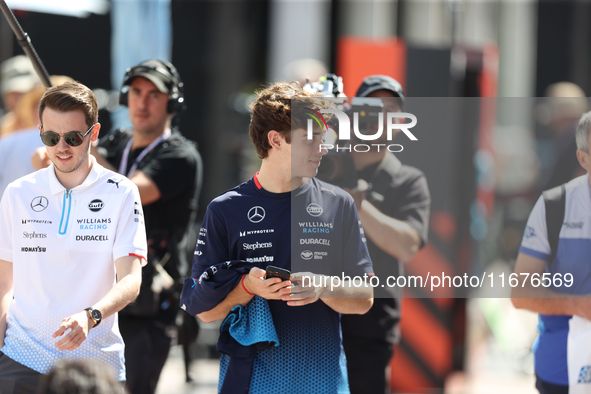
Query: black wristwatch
95,315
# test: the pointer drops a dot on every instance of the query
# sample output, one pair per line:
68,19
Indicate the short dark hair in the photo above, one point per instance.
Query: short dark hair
272,110
71,96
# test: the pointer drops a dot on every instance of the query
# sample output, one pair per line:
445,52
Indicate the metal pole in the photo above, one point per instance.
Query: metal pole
25,42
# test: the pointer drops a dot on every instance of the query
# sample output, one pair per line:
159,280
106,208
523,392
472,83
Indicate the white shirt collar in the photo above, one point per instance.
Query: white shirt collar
56,187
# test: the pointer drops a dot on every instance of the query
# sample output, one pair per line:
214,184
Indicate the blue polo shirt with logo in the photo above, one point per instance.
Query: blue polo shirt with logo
314,229
561,352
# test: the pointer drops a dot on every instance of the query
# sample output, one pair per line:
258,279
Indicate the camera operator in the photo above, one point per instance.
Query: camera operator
394,213
167,169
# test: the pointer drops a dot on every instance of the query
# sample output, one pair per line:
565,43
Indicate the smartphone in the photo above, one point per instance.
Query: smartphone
276,272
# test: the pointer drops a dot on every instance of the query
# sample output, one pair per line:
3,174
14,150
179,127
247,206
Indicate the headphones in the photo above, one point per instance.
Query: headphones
166,73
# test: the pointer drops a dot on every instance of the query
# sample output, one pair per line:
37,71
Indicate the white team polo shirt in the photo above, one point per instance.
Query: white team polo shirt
63,246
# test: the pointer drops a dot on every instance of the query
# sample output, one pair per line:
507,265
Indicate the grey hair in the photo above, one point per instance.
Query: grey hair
583,129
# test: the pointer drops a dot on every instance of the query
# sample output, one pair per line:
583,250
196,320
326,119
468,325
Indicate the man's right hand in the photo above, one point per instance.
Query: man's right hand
40,159
256,284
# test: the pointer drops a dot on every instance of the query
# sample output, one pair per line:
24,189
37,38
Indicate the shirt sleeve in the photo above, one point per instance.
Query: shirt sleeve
6,227
355,254
415,207
130,238
212,243
172,169
535,238
209,283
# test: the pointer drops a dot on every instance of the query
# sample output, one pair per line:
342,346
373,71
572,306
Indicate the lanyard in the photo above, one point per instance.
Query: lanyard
123,165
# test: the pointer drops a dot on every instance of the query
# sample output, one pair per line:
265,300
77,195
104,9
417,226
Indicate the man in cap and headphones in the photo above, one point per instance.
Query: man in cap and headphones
167,169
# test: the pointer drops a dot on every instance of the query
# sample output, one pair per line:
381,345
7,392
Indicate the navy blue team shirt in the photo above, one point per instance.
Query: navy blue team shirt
314,228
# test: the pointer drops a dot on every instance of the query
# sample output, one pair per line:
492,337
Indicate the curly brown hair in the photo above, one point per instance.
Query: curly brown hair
274,110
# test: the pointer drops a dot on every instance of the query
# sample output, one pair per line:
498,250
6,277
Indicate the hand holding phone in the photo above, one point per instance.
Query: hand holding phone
276,272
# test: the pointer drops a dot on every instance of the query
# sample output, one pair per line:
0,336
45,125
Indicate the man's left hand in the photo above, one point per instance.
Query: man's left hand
79,325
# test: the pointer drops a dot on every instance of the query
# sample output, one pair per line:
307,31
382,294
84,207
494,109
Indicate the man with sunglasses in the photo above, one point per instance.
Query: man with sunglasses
72,247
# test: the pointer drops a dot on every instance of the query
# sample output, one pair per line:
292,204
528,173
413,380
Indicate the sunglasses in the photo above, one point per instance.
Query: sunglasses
72,138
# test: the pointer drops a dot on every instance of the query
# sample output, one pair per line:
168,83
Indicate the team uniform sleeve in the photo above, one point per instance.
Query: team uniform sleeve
172,170
212,243
130,238
356,260
415,207
535,238
6,227
209,284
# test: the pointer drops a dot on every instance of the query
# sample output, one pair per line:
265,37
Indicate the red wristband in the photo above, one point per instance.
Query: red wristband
244,287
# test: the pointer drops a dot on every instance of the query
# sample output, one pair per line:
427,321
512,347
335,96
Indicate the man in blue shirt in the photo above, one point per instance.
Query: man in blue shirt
289,328
557,284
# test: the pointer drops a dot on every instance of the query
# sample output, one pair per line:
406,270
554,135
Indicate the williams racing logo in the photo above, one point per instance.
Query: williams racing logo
33,249
315,227
94,224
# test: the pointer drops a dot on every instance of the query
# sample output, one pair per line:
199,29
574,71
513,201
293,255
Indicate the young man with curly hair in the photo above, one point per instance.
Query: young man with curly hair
281,336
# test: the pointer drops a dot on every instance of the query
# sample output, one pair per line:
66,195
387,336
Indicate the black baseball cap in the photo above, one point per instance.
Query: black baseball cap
378,82
154,71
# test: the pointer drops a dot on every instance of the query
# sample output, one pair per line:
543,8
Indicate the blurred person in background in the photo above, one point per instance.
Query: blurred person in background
80,377
564,104
66,267
167,169
394,213
17,77
16,149
554,266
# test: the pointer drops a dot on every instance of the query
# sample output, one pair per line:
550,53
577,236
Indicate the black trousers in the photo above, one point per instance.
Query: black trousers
146,349
367,365
15,378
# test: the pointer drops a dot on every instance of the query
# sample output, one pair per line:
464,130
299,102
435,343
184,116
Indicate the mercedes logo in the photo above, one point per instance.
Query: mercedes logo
256,214
39,204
